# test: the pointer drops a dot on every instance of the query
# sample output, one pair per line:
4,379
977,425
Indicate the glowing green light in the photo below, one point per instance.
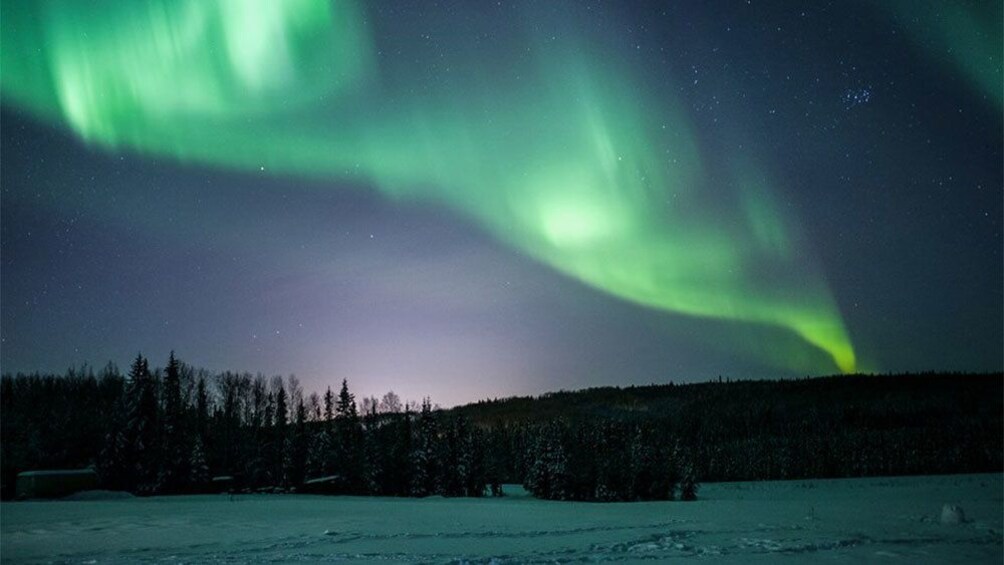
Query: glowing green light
567,164
966,35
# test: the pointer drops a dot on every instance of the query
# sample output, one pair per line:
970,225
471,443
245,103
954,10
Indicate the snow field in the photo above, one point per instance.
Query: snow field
895,520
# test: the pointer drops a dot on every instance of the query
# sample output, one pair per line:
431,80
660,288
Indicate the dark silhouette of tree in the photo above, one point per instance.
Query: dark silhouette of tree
424,454
472,457
327,444
329,405
613,481
258,461
318,450
547,475
174,472
349,464
390,403
297,447
402,472
115,462
374,465
171,430
455,475
228,434
201,411
142,427
198,466
494,444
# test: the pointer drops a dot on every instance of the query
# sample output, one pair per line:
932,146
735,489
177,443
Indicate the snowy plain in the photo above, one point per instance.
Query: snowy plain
870,520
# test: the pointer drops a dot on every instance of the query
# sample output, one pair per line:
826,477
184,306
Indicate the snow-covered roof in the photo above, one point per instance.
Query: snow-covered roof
320,480
57,473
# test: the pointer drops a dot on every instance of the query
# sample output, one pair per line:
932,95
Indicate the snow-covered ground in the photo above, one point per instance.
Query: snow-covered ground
874,520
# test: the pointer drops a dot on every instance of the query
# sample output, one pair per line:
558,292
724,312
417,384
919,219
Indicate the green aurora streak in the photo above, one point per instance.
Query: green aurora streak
966,36
570,164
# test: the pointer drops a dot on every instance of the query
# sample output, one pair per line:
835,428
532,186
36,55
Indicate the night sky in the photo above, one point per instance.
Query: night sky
477,199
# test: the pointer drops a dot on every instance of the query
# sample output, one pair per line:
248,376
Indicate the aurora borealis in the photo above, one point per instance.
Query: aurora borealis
555,130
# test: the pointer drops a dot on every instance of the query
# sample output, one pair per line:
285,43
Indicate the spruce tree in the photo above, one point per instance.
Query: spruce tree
327,446
142,432
346,407
349,441
424,460
173,476
329,405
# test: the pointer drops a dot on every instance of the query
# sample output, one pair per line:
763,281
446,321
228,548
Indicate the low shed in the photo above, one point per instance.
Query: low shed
55,483
333,484
222,483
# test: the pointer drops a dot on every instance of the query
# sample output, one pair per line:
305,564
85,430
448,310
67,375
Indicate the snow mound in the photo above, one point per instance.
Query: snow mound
86,495
952,514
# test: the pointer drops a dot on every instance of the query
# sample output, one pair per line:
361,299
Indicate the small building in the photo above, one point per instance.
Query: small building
55,483
333,484
222,483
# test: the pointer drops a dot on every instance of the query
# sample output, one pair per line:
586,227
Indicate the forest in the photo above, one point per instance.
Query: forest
179,429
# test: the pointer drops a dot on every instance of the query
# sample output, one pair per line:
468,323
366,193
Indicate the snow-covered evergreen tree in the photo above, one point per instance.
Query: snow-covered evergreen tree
688,481
547,475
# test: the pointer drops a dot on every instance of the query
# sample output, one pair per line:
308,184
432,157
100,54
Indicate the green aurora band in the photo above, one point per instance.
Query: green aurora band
965,36
571,163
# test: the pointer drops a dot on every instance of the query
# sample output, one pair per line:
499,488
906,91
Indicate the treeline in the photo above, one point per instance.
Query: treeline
830,427
605,460
174,430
